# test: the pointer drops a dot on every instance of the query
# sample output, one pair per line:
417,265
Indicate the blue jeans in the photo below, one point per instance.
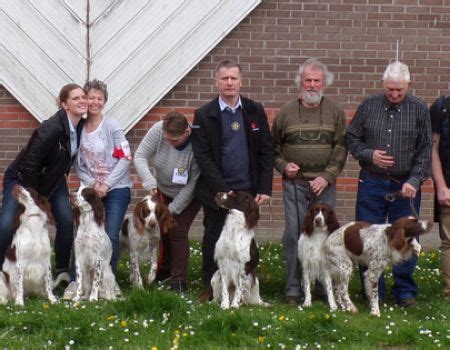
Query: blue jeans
62,212
116,206
371,206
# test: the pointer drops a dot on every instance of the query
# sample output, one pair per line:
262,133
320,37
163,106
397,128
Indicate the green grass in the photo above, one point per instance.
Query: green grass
158,319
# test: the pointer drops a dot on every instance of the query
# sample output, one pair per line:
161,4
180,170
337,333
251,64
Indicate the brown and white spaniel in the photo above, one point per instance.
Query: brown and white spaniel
93,249
27,267
236,253
141,233
374,246
320,221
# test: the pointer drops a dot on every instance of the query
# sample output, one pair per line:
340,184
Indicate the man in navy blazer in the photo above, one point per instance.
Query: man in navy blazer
234,149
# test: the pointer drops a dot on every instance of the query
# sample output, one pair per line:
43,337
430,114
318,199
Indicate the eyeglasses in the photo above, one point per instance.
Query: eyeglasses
310,135
302,135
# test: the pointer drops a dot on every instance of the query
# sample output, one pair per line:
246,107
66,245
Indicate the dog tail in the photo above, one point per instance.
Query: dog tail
124,232
62,277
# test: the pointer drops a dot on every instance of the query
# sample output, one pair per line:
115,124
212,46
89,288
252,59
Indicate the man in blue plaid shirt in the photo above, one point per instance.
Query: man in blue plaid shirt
390,136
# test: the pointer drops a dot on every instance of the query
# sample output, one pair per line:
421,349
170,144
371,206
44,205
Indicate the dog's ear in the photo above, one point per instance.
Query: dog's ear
396,235
308,223
141,210
96,203
413,227
333,223
46,207
252,264
251,213
165,219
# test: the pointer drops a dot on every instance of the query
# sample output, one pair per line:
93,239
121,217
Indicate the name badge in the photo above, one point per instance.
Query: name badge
180,176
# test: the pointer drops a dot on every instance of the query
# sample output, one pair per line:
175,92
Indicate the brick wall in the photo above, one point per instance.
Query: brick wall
356,38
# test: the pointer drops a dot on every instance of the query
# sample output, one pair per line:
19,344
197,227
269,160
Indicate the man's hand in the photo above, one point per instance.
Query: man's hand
382,160
291,170
318,185
261,199
408,190
443,196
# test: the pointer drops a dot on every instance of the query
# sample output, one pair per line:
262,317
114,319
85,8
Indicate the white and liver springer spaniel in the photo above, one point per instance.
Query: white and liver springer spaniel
374,246
141,232
236,253
93,249
320,221
27,267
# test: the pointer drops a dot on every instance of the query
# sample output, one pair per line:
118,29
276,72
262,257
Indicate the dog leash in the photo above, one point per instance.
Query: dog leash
263,268
391,197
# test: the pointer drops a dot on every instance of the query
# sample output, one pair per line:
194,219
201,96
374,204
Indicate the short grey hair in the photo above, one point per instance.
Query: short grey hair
96,85
315,64
397,71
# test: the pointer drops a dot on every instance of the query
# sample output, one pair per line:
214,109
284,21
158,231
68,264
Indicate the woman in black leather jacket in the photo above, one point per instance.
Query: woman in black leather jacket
43,165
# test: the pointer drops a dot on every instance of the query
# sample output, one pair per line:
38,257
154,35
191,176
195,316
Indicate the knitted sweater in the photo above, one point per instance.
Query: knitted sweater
165,158
313,138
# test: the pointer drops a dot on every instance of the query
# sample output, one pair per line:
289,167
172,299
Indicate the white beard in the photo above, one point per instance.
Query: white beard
311,98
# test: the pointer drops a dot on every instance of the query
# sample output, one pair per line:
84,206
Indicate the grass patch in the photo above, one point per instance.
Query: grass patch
156,318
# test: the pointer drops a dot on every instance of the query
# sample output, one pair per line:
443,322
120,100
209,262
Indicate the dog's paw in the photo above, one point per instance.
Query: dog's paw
352,309
136,281
375,312
225,306
264,304
307,304
333,307
19,302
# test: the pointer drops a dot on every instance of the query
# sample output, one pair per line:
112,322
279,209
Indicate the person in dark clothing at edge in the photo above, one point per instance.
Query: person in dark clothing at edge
43,165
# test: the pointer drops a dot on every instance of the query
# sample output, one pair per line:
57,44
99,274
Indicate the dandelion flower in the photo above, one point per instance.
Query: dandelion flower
261,339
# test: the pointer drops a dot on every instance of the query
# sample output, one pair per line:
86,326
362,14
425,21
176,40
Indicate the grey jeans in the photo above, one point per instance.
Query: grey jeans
297,199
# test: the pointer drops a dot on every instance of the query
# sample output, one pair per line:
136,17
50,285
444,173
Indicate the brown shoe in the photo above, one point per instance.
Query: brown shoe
408,302
206,295
292,300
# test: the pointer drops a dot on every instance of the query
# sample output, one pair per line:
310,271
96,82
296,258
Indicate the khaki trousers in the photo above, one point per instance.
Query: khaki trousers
444,232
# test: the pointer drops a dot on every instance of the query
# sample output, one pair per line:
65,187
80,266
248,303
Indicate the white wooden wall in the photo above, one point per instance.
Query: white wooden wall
140,48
